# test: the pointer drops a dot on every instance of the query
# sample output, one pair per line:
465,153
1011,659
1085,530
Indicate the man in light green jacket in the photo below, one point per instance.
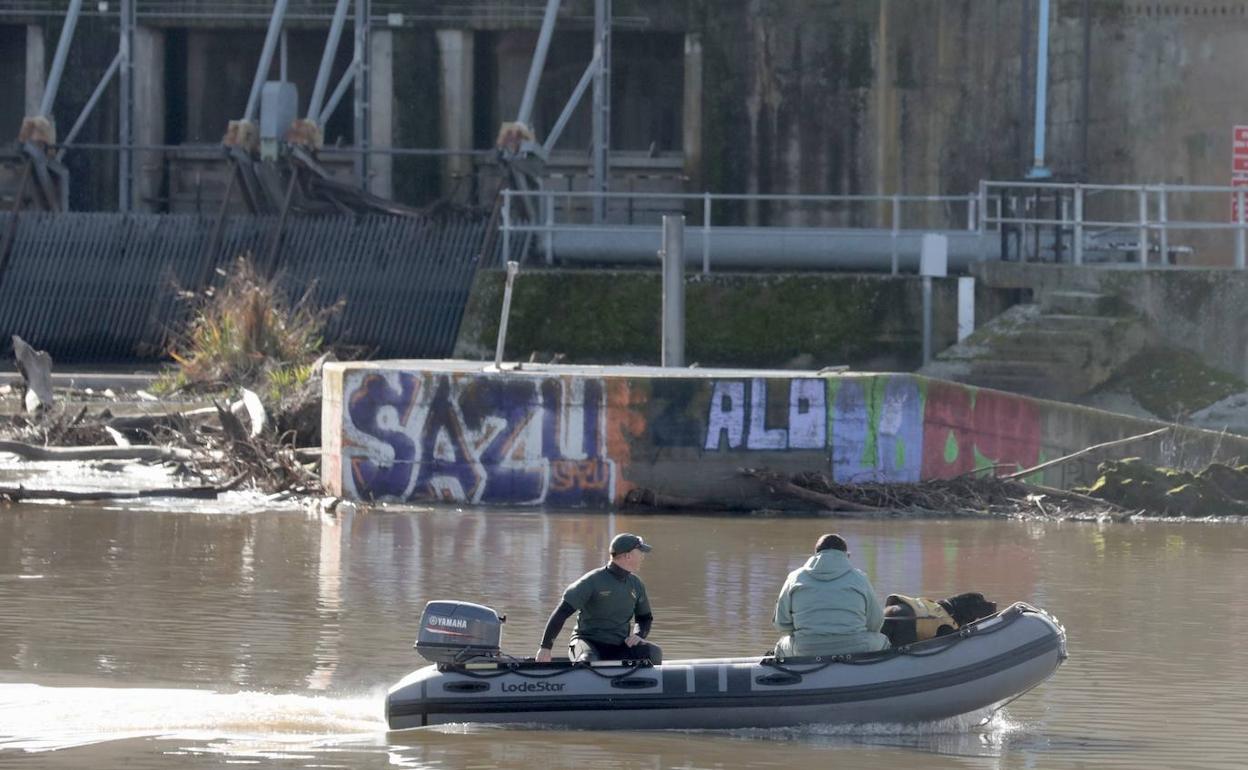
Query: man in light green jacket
827,607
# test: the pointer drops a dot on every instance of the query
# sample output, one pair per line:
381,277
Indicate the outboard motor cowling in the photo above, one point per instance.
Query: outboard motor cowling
454,632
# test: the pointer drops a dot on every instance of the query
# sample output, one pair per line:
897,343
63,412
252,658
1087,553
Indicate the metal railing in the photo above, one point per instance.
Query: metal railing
384,12
1091,214
529,213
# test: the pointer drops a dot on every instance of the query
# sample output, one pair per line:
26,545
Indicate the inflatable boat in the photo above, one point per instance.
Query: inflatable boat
982,666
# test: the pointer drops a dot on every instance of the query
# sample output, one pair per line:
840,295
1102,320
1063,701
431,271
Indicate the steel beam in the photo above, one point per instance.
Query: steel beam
91,103
266,58
590,72
539,62
327,60
58,60
125,109
350,76
360,128
602,106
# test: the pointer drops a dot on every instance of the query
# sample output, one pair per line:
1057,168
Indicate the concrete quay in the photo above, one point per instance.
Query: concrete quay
530,434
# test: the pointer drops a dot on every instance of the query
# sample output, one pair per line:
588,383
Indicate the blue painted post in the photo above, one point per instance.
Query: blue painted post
1038,169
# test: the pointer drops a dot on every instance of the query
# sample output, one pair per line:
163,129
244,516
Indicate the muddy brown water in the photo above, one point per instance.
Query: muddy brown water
199,638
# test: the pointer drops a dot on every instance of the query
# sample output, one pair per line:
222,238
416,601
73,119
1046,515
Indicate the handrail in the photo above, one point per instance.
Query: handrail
1149,214
543,202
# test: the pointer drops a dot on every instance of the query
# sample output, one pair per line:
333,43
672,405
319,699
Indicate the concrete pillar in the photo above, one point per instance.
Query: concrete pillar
381,111
36,67
455,50
691,122
196,83
149,115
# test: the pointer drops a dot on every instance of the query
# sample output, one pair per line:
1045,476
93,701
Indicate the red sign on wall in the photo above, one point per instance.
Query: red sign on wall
1239,169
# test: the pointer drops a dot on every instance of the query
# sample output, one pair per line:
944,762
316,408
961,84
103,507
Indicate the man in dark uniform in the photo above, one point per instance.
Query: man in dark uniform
608,599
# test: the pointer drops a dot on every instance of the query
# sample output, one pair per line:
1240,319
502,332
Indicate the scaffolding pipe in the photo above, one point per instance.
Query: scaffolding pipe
327,60
266,57
58,60
538,63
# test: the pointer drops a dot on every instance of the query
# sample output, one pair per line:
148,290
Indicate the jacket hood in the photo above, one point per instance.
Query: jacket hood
829,565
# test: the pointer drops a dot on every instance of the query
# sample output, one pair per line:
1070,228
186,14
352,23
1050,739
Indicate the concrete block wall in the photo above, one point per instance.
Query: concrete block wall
564,436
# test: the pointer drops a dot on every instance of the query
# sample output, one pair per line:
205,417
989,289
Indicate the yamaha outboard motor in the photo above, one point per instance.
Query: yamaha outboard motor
454,632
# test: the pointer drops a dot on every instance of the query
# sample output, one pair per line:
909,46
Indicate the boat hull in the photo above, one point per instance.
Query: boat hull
986,664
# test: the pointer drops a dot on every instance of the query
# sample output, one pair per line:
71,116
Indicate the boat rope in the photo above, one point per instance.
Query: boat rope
516,667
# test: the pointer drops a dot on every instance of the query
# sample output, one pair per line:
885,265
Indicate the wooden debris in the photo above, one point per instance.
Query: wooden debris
35,366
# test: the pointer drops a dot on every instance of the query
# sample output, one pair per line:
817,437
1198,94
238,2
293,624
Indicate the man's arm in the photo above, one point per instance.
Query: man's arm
875,610
643,616
553,626
782,619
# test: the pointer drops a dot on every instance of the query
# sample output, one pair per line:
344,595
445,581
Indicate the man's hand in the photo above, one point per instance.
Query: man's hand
633,640
543,655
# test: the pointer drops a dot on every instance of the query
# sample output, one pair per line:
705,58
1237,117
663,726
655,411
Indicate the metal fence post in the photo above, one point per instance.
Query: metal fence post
1239,230
673,259
706,233
1142,195
971,219
506,255
983,206
549,201
1163,232
512,269
1078,224
896,230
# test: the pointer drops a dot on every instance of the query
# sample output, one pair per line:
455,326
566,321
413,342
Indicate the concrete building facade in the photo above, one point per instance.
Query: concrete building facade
766,96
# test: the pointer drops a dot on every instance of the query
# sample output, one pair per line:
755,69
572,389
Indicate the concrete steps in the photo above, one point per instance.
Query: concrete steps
1060,347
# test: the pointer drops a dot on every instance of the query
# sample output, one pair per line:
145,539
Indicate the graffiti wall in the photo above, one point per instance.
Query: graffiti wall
884,428
476,439
569,439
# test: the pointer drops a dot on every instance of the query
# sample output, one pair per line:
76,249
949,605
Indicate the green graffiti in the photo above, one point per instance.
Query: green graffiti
873,391
901,455
951,448
982,462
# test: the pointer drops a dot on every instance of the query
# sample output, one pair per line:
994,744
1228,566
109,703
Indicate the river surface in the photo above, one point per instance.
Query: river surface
170,637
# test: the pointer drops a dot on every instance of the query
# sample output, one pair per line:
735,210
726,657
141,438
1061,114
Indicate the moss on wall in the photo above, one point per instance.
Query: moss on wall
804,320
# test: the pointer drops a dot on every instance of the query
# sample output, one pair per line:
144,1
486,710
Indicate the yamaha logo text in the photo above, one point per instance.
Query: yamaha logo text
438,620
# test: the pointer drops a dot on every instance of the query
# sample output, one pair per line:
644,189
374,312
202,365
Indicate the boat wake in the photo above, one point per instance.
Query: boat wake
979,734
38,718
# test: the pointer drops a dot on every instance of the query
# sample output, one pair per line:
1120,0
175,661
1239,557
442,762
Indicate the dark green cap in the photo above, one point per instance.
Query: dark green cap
625,542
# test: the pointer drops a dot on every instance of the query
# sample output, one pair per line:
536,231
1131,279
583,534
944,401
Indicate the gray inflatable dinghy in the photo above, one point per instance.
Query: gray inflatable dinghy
982,666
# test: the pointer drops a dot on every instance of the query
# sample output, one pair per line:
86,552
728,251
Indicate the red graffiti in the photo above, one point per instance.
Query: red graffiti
962,424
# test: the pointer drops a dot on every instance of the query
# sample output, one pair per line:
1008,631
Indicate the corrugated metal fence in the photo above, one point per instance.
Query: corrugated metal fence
87,286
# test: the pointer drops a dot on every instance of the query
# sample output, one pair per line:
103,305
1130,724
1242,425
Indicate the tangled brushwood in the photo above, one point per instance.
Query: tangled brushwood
252,359
246,333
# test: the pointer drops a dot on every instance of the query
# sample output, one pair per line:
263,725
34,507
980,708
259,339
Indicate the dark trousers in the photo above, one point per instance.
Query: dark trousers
585,650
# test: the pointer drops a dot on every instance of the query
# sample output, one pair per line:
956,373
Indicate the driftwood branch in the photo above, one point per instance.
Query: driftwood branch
19,493
1095,447
784,486
137,453
35,366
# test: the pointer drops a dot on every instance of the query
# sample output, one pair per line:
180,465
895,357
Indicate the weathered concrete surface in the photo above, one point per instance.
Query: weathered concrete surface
1062,347
771,320
1205,311
568,436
